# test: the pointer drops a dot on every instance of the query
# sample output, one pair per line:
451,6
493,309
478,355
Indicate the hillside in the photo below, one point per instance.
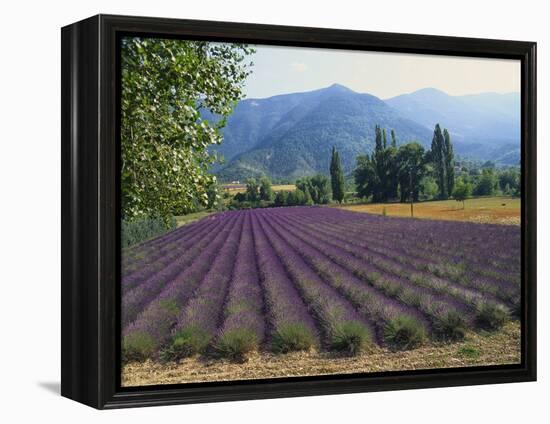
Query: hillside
483,126
289,136
299,142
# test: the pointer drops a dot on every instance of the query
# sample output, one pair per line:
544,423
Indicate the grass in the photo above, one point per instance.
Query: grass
191,217
469,352
489,210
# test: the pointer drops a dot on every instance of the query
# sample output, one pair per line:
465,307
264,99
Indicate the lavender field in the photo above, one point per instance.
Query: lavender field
296,278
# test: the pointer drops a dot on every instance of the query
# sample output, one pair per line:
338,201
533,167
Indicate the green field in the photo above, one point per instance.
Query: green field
191,217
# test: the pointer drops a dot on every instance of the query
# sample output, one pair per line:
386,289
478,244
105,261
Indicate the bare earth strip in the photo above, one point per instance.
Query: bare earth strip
500,348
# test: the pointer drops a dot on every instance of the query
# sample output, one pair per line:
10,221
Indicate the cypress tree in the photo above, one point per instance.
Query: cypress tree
378,160
393,139
336,176
333,170
449,162
378,148
393,171
439,157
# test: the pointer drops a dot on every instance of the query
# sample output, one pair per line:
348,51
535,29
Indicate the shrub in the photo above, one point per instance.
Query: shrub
411,297
188,341
491,316
390,288
281,198
236,343
450,326
292,337
138,230
403,332
351,337
138,346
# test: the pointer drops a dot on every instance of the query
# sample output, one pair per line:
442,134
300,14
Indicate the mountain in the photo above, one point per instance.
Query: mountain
506,105
295,134
483,126
291,135
252,119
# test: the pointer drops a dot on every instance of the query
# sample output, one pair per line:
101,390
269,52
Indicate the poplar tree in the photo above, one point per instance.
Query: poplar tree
165,143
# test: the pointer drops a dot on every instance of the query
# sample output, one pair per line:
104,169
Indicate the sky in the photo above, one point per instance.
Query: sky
280,70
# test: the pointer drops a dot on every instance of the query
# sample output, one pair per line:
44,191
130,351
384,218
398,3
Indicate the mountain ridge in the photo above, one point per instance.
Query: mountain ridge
290,135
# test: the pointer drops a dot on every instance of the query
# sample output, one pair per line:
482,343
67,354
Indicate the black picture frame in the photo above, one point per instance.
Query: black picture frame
90,211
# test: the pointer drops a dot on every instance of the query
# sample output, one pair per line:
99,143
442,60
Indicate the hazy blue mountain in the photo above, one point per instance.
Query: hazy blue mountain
507,105
291,135
300,142
480,124
252,119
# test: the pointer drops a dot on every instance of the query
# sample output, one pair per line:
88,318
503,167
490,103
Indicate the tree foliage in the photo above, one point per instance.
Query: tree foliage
449,162
337,177
165,142
266,193
366,177
316,187
462,191
487,183
428,187
509,182
384,159
252,193
411,168
390,170
280,198
442,156
438,158
309,191
377,175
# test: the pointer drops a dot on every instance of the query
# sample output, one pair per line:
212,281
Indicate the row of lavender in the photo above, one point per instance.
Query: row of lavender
292,278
